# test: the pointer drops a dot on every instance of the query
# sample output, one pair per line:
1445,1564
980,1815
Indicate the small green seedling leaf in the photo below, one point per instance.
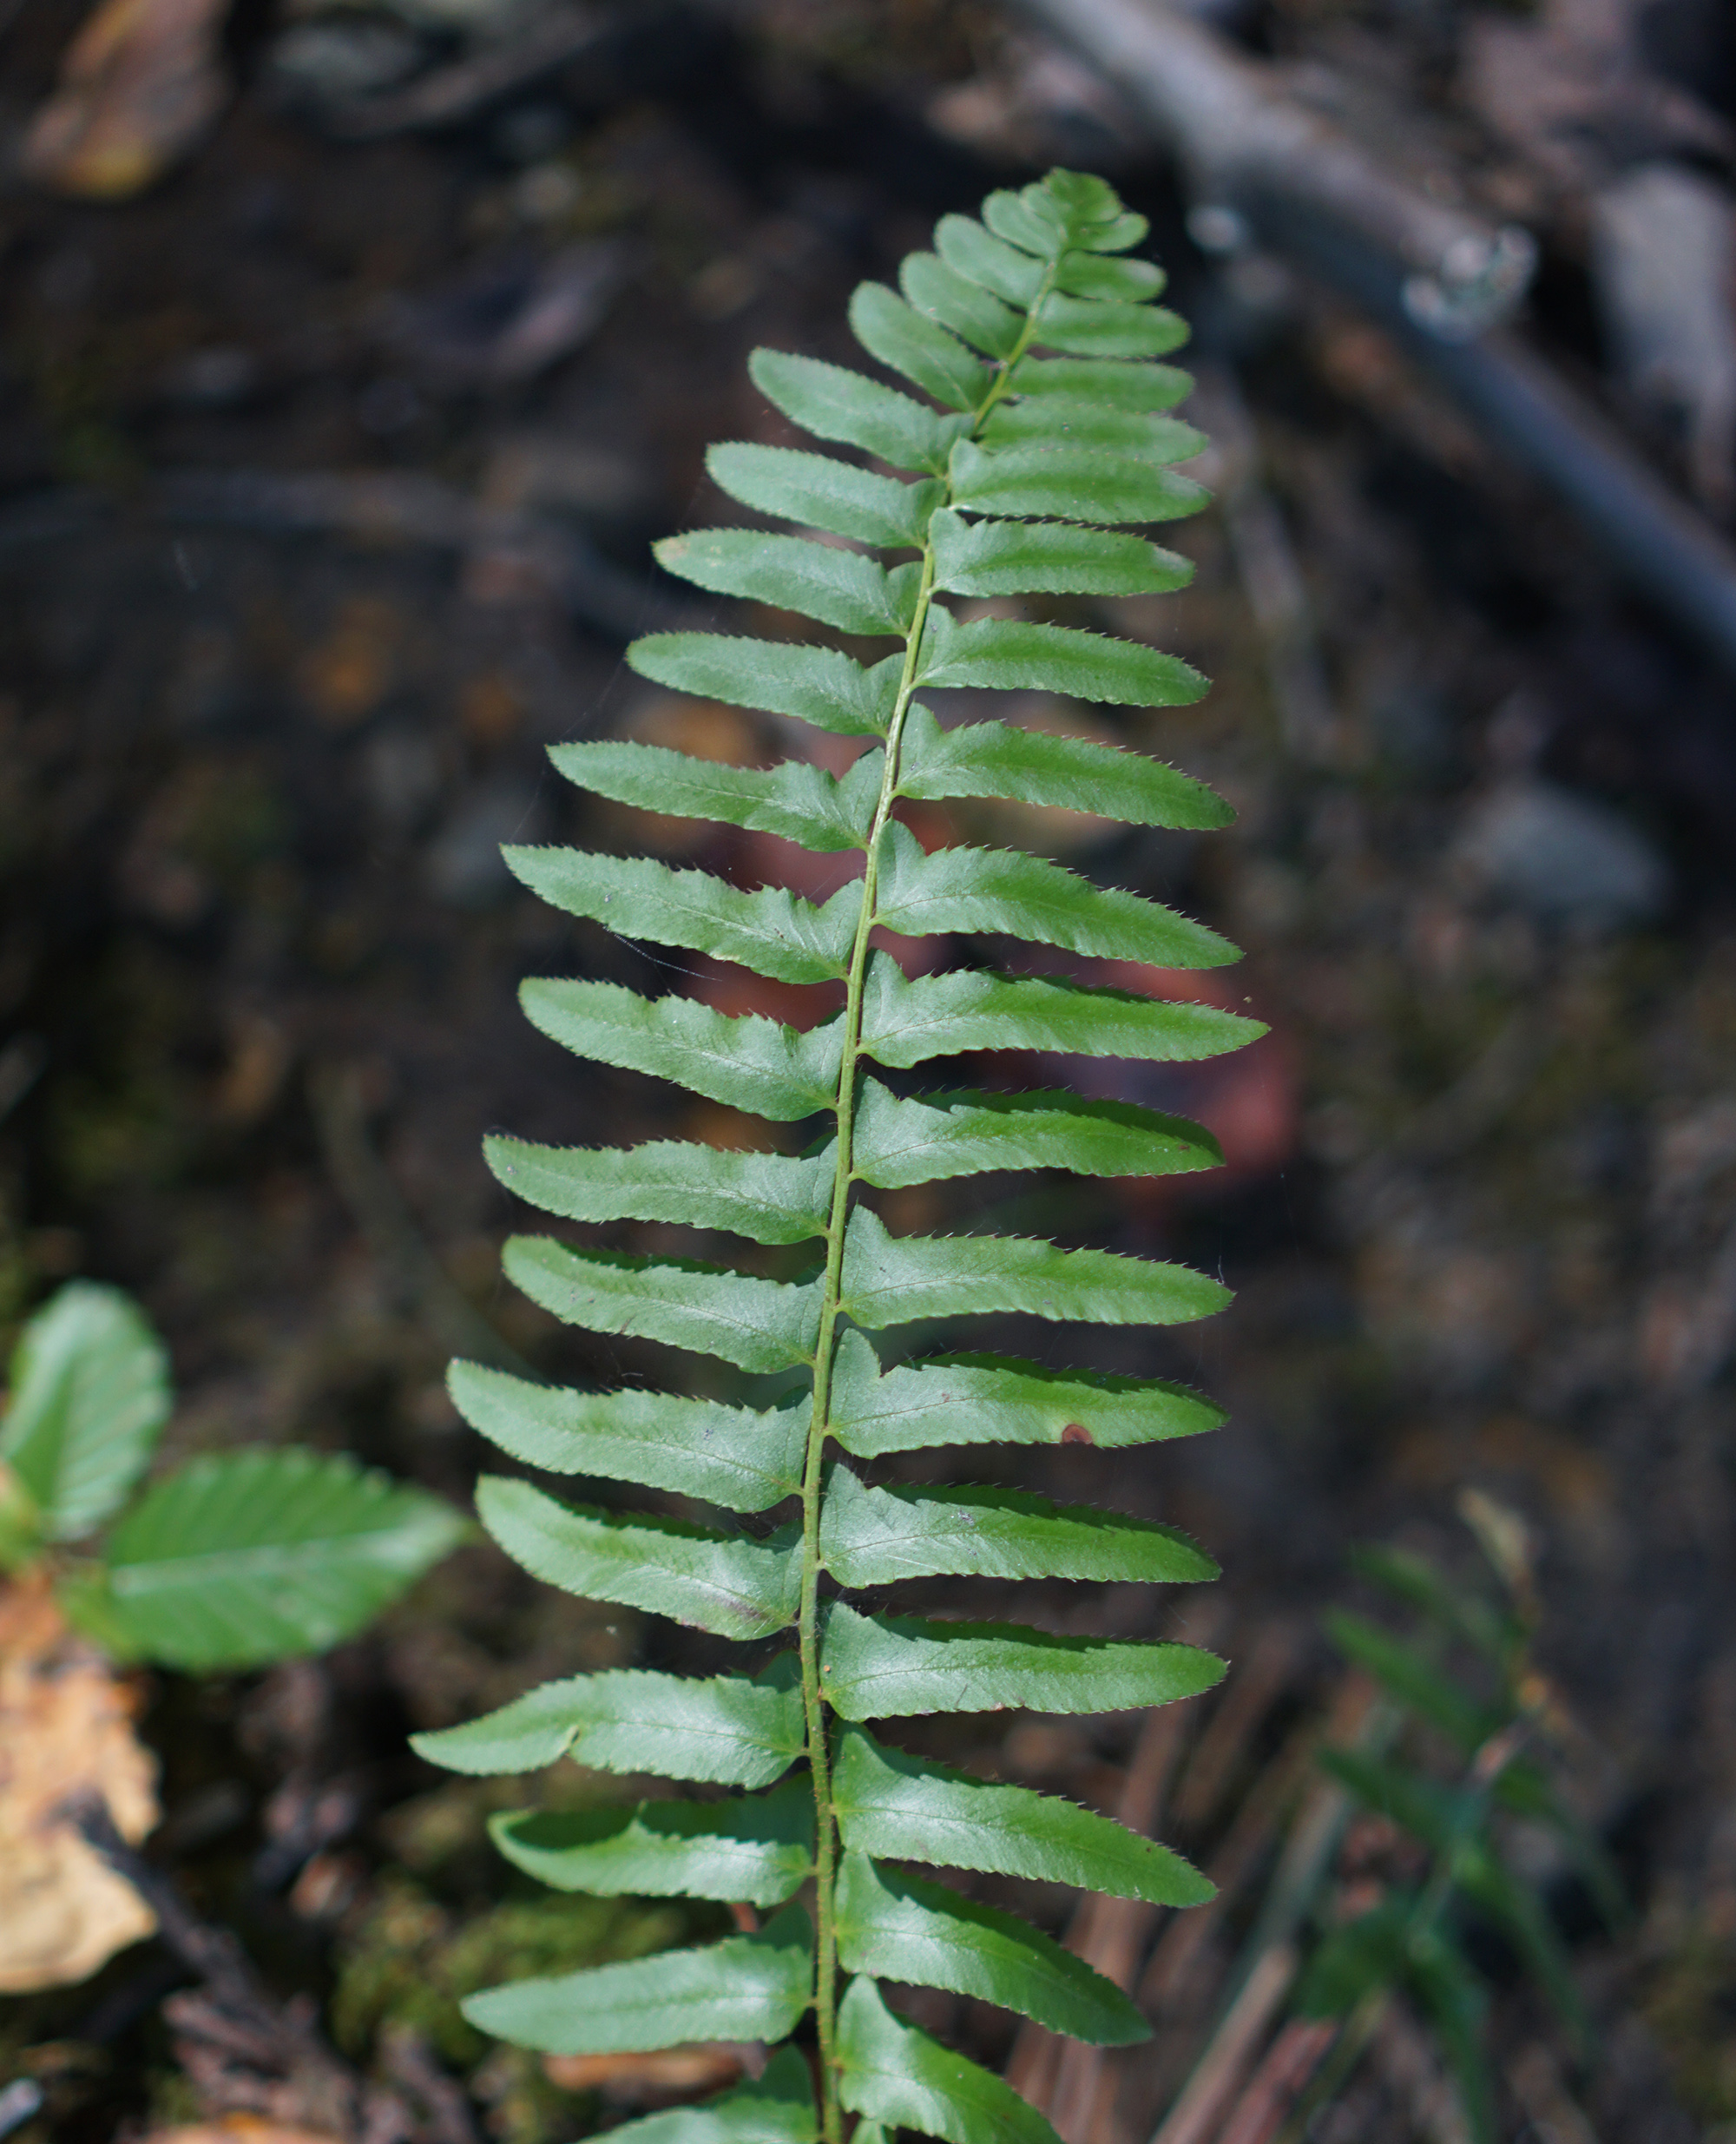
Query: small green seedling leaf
89,1398
255,1555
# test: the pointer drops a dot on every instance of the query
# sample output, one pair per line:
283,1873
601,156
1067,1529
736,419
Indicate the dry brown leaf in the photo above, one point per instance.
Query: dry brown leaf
66,1728
237,2129
139,85
675,2073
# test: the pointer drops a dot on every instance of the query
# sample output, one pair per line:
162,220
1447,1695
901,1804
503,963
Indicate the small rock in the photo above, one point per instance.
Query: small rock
1563,858
327,63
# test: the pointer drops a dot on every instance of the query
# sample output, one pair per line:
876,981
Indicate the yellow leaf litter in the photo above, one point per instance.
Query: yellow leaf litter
66,1728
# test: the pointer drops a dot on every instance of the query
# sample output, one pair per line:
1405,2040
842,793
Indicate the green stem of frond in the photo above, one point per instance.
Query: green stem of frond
813,1700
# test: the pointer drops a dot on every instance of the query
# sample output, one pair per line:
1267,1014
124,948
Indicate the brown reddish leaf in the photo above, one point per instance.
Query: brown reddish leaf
66,1730
679,2073
237,2129
139,85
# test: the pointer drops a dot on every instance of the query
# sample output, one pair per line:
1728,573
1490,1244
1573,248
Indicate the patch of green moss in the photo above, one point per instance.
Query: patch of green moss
411,1960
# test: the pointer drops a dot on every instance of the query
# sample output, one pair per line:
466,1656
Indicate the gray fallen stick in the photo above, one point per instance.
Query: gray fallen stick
1246,142
447,96
1439,281
376,507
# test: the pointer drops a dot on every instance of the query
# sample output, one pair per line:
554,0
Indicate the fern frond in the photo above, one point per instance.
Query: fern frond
1023,480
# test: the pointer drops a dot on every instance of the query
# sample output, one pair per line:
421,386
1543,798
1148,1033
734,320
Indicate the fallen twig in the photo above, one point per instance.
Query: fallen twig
445,97
1283,2075
1174,1963
1247,143
1110,1932
1439,281
1216,2075
375,506
233,2035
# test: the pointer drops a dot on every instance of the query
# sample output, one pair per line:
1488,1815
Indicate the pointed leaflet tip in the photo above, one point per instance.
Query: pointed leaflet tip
897,1667
747,1987
727,1730
900,1807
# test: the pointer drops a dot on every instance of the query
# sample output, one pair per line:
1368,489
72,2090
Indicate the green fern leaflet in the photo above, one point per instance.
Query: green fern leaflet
1013,485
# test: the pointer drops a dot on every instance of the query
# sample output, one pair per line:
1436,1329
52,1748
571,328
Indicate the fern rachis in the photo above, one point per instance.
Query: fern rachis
1007,487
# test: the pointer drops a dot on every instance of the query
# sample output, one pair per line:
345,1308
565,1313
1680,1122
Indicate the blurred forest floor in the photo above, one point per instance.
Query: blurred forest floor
258,953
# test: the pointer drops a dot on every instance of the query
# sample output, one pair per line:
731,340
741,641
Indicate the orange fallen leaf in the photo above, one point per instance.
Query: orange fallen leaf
675,2073
237,2129
139,85
66,1728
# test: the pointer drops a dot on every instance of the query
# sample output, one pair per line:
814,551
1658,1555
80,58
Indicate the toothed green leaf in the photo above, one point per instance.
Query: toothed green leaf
737,1588
759,1849
834,403
1129,282
890,1281
767,1197
905,1024
1116,234
891,1668
774,932
1071,483
747,1062
1053,421
878,1536
897,1806
984,1399
965,245
727,1731
839,587
816,685
90,1396
758,1325
940,294
1065,773
747,1987
776,2107
253,1555
1052,658
801,802
894,2072
1092,327
920,1139
904,342
822,493
1028,221
1106,381
925,1934
1091,210
1017,896
1013,557
730,1456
